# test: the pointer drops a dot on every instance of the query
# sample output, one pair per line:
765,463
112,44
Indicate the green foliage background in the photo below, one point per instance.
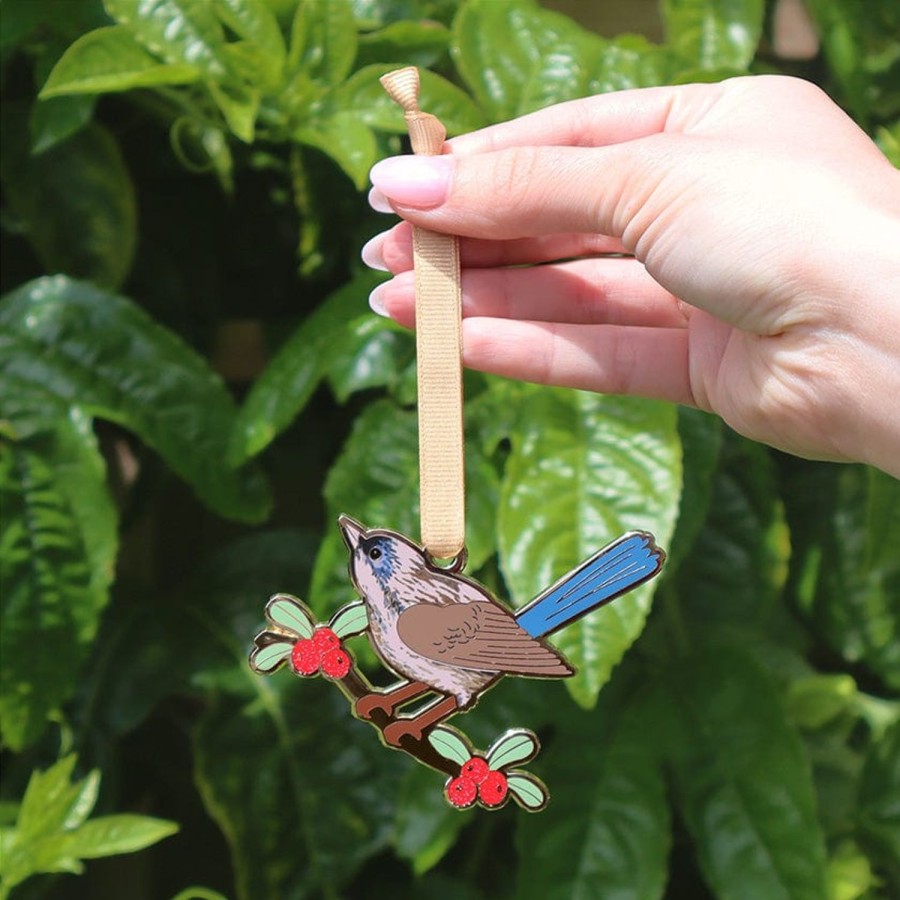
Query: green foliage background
192,388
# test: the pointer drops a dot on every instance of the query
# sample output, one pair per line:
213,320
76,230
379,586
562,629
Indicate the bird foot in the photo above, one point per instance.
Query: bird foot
370,704
402,728
416,727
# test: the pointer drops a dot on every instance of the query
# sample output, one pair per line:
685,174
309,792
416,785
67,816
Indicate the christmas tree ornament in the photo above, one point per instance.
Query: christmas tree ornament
446,637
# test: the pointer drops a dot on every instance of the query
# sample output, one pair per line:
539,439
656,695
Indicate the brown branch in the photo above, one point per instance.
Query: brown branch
354,686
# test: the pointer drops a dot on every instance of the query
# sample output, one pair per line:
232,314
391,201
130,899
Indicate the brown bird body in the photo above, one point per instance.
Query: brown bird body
439,628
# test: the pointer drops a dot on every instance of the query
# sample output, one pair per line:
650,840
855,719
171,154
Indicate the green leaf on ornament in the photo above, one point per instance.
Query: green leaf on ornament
268,658
286,611
350,620
450,745
527,791
512,749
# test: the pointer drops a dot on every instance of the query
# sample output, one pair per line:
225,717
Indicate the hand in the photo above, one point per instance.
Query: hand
760,280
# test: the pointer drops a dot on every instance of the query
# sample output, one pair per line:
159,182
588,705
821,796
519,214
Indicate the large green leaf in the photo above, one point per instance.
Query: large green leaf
57,550
177,31
376,479
51,834
502,73
859,43
606,830
405,43
53,121
584,469
108,60
344,138
738,562
65,343
543,58
323,40
76,203
374,352
714,34
743,779
291,376
257,24
630,61
845,521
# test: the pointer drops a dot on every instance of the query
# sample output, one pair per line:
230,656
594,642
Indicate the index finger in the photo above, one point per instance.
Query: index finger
589,122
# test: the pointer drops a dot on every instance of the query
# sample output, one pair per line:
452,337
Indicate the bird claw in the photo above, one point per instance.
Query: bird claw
403,728
367,706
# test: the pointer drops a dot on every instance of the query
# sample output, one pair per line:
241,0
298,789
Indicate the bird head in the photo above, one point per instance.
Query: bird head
380,561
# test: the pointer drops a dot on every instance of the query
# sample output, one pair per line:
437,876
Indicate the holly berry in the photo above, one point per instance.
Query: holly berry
305,657
325,639
492,791
336,663
476,768
461,792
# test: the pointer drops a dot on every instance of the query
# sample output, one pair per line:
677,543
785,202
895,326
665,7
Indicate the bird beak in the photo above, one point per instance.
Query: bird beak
351,531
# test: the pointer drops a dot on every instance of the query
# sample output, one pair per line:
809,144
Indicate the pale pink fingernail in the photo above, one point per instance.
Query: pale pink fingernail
379,202
419,181
371,253
377,303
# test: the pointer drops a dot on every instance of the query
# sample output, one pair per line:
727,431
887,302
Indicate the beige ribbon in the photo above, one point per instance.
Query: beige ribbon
439,350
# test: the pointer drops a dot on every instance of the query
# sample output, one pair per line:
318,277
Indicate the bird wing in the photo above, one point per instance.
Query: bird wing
478,635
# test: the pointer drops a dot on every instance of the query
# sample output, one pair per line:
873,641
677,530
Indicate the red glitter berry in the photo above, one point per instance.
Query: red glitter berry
476,768
336,663
461,792
305,657
325,639
492,791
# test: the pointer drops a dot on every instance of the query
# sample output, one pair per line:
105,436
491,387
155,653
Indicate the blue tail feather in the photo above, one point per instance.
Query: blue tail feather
617,568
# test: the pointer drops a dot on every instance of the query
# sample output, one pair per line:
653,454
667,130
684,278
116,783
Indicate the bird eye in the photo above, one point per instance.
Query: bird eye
374,553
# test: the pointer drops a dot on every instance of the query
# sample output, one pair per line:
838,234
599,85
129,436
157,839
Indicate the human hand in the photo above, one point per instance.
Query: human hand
762,276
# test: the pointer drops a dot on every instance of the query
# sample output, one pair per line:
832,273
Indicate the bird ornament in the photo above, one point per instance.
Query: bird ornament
448,640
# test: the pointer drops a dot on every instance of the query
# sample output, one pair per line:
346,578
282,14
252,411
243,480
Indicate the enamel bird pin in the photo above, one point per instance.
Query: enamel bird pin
449,640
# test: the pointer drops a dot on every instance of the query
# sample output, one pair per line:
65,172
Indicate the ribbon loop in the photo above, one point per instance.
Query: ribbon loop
438,348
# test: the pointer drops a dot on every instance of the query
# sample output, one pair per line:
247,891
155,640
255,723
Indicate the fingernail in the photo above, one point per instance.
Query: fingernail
371,253
419,181
379,202
376,302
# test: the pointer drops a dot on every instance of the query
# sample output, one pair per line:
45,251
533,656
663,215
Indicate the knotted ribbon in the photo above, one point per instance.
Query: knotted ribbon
439,350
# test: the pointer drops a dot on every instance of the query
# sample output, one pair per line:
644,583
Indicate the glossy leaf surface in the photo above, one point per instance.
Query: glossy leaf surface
76,203
583,470
606,829
715,33
59,547
743,779
109,60
66,343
